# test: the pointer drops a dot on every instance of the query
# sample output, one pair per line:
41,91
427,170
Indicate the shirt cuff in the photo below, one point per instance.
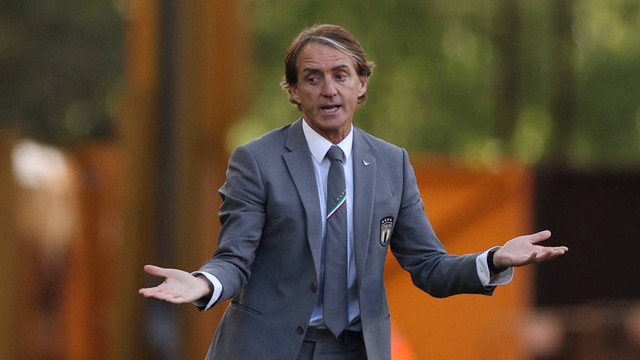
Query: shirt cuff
215,296
486,277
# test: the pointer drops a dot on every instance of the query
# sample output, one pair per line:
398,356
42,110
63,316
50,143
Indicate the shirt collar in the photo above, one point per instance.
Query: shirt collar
319,146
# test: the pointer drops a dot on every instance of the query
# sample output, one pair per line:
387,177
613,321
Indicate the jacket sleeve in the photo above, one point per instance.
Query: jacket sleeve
242,215
420,252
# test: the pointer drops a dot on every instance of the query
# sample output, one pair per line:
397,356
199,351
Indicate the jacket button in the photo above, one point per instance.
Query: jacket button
314,287
300,330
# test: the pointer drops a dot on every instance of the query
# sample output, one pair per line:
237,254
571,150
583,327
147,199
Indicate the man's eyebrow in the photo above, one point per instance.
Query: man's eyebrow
310,70
316,70
341,67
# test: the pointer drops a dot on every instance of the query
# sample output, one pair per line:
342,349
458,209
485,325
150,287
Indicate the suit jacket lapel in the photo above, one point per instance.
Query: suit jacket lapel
301,170
364,184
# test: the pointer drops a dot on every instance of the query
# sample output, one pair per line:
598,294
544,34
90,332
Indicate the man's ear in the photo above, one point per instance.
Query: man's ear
364,82
293,92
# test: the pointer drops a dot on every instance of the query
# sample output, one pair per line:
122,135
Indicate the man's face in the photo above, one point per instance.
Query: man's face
327,90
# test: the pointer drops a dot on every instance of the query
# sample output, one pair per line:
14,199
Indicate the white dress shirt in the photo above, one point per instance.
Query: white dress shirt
318,146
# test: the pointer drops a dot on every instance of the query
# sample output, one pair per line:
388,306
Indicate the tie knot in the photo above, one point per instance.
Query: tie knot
335,153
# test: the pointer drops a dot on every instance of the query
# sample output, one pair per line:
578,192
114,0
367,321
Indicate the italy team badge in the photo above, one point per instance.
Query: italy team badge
386,226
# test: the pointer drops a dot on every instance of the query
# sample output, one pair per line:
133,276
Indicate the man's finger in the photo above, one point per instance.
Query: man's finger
552,253
155,270
539,236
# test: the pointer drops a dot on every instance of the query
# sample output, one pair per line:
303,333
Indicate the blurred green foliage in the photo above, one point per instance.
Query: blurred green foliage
61,65
433,89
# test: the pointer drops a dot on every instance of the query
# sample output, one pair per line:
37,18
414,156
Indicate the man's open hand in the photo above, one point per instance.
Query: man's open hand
524,250
179,286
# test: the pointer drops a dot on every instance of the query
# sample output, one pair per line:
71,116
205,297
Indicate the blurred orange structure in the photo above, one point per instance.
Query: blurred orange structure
471,211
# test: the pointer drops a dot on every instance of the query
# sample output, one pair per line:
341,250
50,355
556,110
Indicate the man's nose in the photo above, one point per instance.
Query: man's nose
329,88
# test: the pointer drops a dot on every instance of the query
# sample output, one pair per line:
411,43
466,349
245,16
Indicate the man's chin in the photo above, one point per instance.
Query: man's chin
334,124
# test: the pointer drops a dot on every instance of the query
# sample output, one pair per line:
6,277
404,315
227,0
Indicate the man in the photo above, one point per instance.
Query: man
304,285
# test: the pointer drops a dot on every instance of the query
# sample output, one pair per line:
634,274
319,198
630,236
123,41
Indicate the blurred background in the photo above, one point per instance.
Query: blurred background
117,118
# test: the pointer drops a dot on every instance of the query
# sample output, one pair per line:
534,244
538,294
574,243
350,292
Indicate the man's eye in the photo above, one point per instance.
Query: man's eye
312,80
341,77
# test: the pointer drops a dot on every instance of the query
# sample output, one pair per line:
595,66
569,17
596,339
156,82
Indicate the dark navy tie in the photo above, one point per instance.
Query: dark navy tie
336,315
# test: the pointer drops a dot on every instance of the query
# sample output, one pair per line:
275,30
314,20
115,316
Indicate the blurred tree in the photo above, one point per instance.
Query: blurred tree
607,62
60,65
563,90
542,80
477,79
507,71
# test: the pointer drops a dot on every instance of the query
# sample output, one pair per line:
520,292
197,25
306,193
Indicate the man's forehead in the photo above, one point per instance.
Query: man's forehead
315,55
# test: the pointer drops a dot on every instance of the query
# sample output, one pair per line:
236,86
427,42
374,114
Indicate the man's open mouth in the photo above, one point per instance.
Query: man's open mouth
330,108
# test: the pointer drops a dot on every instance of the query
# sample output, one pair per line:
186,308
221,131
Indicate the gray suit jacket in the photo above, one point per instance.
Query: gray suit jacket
269,249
